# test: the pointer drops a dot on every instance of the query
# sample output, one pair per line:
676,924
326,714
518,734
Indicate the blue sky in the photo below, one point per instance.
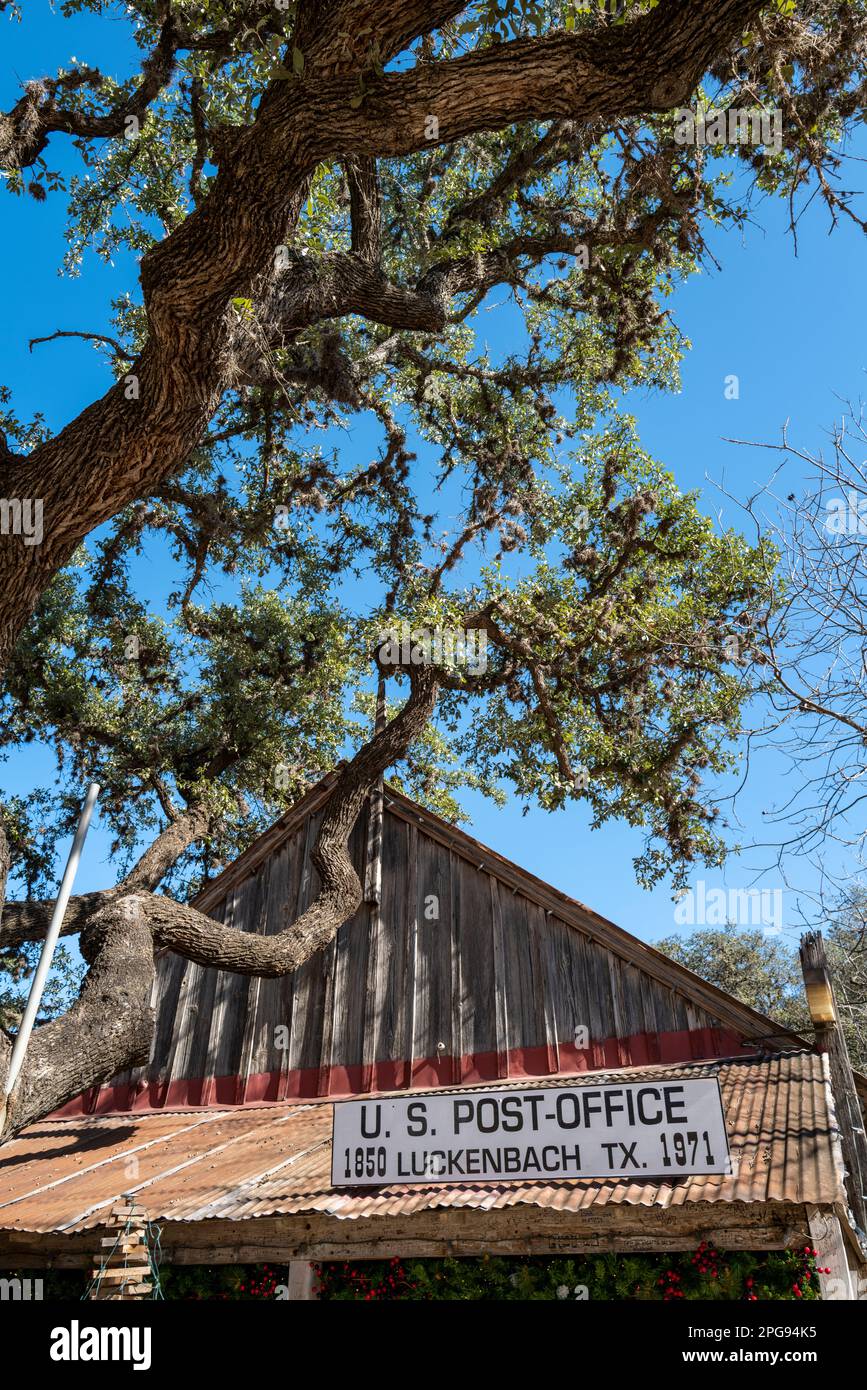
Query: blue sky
789,326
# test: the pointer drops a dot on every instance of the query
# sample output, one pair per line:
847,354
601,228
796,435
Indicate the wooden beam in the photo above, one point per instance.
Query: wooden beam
519,1230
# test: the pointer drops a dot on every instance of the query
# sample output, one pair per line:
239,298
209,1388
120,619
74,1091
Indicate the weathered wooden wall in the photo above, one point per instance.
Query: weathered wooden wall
459,976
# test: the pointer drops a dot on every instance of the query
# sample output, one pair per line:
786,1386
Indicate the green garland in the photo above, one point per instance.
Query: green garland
704,1274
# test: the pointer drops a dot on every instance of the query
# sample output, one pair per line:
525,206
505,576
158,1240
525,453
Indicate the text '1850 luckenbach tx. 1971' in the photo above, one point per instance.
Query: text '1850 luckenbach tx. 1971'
653,1129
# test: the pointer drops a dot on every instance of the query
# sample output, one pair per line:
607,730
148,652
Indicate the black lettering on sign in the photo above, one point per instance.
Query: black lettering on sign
534,1102
463,1113
656,1118
371,1133
613,1106
670,1103
592,1106
483,1107
512,1117
416,1114
568,1113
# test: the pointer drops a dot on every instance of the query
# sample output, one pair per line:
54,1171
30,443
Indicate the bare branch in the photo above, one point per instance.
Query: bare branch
120,352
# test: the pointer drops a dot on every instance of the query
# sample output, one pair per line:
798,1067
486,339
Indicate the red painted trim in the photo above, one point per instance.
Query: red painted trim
641,1049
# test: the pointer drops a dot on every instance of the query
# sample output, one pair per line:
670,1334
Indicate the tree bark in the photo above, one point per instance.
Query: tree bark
108,1028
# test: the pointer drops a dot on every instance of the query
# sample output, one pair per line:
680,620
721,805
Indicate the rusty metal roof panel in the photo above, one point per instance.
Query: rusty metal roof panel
249,1162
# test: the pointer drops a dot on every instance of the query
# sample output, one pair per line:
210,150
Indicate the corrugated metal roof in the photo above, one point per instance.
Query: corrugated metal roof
242,1163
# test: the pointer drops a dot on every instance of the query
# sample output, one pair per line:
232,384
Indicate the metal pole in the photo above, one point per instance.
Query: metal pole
34,998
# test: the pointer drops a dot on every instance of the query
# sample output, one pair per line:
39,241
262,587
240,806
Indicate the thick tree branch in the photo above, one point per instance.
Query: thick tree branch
28,921
25,130
651,64
40,113
123,445
177,926
191,934
365,209
150,870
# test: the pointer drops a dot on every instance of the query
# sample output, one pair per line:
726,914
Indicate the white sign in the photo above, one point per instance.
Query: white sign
640,1129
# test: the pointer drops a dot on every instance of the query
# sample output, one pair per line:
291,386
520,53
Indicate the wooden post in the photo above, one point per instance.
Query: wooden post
830,1039
827,1239
302,1285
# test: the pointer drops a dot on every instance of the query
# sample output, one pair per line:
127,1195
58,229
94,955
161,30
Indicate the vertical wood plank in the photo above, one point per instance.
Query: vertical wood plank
501,1021
544,1024
410,917
353,946
391,981
305,1032
616,988
595,1001
433,952
522,1031
478,1008
650,1014
262,1056
283,905
166,996
230,1001
457,1011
